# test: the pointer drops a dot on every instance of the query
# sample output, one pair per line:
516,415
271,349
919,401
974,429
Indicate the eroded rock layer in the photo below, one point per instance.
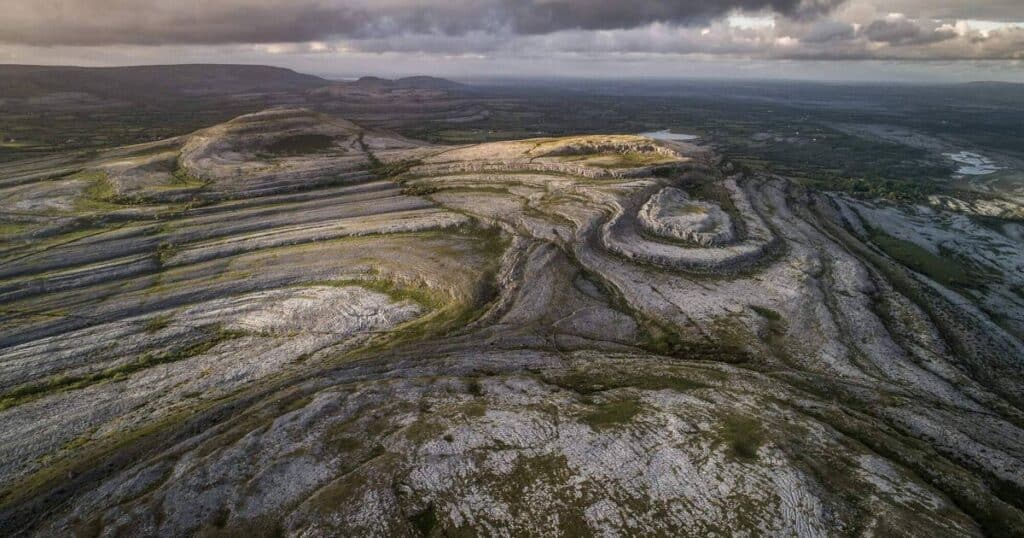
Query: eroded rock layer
288,324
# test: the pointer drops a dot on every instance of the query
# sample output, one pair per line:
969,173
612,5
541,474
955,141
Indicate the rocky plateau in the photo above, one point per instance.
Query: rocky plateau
290,324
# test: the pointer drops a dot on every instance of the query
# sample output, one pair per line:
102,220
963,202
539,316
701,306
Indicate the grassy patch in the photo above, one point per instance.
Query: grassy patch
99,194
100,188
380,168
743,434
77,442
424,521
528,470
423,430
663,341
474,409
450,313
474,387
766,313
612,413
166,251
420,295
667,341
419,190
944,270
182,180
587,383
343,438
12,228
157,323
390,170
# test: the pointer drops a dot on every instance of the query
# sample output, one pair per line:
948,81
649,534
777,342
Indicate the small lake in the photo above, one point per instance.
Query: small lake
669,135
973,164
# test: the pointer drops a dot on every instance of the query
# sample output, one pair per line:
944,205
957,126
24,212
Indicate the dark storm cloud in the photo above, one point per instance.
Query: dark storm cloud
829,31
545,16
102,22
901,31
588,30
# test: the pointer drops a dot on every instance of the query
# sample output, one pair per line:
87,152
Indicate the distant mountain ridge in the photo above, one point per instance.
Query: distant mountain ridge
420,82
138,83
156,82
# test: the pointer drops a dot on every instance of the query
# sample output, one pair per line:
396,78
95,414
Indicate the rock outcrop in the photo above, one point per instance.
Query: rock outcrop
329,331
673,215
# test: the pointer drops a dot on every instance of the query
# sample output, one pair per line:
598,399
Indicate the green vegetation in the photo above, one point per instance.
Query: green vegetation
877,187
766,313
369,461
451,311
419,190
166,251
101,188
743,434
944,270
549,468
612,413
474,409
474,387
424,521
713,191
382,169
423,430
181,179
77,442
389,170
663,340
8,229
420,295
968,493
157,323
587,383
99,195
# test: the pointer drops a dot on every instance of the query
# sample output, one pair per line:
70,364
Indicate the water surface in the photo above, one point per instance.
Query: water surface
973,164
669,135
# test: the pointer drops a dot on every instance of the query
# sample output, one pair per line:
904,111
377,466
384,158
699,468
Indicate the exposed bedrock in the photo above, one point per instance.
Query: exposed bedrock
623,233
572,444
345,332
673,215
594,157
281,150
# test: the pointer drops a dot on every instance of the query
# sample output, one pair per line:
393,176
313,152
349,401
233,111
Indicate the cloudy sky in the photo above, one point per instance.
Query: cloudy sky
940,40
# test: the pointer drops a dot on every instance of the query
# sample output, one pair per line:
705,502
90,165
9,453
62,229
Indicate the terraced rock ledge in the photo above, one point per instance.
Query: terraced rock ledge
289,324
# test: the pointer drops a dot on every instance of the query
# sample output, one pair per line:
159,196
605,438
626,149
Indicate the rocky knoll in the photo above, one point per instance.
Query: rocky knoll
291,325
670,213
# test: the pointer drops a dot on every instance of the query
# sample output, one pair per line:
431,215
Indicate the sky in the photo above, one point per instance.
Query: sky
887,40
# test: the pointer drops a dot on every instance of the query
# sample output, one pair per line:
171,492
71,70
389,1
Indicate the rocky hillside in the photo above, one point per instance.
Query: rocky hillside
289,324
